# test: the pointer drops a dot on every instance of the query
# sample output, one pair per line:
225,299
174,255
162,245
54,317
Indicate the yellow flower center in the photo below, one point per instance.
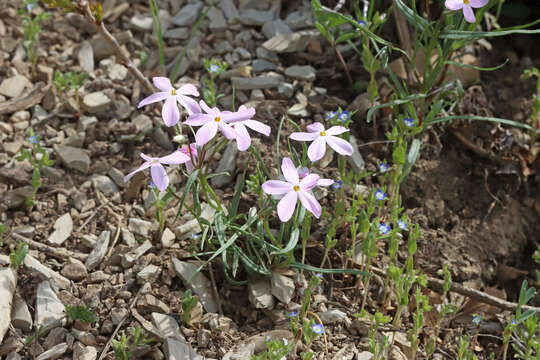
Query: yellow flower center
173,92
155,161
217,119
466,2
322,133
296,187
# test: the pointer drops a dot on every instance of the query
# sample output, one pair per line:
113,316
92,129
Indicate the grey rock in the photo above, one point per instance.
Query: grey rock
13,87
63,227
54,353
331,316
142,123
56,336
80,22
217,20
76,140
167,326
8,283
49,309
181,33
260,65
190,228
260,293
293,42
286,90
58,280
104,184
128,238
86,122
282,287
300,19
276,27
199,284
356,160
204,336
256,17
227,163
229,9
243,53
267,81
167,238
149,273
117,176
20,315
242,352
99,251
188,15
180,350
25,230
301,72
81,352
73,158
14,356
222,47
117,72
256,95
15,198
139,226
262,53
131,257
102,48
365,355
161,137
86,57
142,22
118,314
96,102
74,270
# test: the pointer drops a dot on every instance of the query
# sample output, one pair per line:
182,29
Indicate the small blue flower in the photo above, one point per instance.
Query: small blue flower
319,275
30,7
268,338
477,319
383,228
513,322
152,185
318,329
285,341
408,121
344,116
380,195
361,23
402,225
196,235
384,167
292,314
329,115
337,184
33,139
214,68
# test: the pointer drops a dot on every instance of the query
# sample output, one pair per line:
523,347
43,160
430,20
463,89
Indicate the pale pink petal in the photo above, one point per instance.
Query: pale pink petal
146,157
189,167
339,145
468,13
162,83
207,109
315,127
153,98
285,207
453,4
145,165
227,130
289,171
309,182
243,140
206,133
239,115
188,89
317,149
336,130
310,203
304,136
177,157
325,182
189,104
159,176
478,3
198,119
276,187
258,126
170,112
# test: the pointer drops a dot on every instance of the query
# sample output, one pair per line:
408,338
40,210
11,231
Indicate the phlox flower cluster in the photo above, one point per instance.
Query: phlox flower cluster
466,6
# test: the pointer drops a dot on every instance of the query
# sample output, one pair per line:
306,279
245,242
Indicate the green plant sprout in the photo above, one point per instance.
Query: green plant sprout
124,347
38,157
214,67
81,313
32,28
30,339
189,302
69,80
16,257
534,132
2,231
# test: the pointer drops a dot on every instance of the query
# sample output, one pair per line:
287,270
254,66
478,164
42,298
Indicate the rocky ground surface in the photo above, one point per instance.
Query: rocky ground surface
94,240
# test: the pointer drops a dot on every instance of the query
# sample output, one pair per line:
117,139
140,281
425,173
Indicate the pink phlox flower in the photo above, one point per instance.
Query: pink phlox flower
292,190
304,171
466,6
215,119
243,140
172,96
321,137
190,166
158,172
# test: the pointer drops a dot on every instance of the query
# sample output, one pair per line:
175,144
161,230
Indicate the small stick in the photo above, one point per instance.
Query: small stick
92,216
118,230
324,333
60,253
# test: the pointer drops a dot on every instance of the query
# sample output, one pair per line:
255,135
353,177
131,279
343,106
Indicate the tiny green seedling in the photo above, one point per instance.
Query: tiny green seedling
2,231
188,304
123,347
69,80
32,28
16,257
81,313
30,339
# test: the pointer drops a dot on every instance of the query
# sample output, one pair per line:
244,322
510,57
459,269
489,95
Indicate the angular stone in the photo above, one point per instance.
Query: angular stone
167,326
104,184
102,48
73,158
180,350
81,352
139,226
229,9
332,316
242,352
86,57
268,81
149,273
99,251
20,315
96,102
131,257
260,293
58,280
198,283
8,283
260,65
286,90
167,238
177,33
117,72
49,309
141,22
85,122
12,148
227,163
192,227
54,353
256,17
274,28
74,270
217,20
188,15
293,42
63,227
301,72
356,160
282,287
13,87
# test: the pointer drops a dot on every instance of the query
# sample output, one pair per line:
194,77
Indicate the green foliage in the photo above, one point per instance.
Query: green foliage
16,257
276,349
31,28
127,343
30,339
70,80
188,304
2,231
81,313
214,67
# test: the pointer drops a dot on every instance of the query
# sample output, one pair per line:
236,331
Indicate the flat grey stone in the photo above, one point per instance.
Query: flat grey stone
139,226
74,270
286,90
86,57
217,20
104,184
20,315
99,251
58,280
268,81
356,160
131,257
262,53
198,283
149,273
96,102
242,352
73,158
275,27
282,287
161,137
302,19
181,33
256,17
142,22
332,316
301,72
167,238
223,46
86,122
229,9
102,48
260,293
117,72
293,42
167,326
8,283
243,53
49,309
13,87
260,65
117,176
54,353
63,227
180,350
227,163
188,15
188,229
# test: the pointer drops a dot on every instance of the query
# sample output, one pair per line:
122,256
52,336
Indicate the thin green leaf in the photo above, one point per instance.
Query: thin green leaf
450,62
393,103
189,183
290,245
328,271
481,118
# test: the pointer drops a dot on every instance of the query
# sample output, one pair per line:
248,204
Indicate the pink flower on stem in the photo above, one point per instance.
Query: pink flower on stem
172,96
321,137
304,171
466,6
190,166
159,175
243,140
215,119
293,189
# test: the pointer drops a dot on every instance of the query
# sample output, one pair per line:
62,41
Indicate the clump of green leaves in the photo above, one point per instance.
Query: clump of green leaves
31,28
38,157
82,313
16,257
214,67
2,231
535,112
188,304
30,339
276,349
69,80
123,347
